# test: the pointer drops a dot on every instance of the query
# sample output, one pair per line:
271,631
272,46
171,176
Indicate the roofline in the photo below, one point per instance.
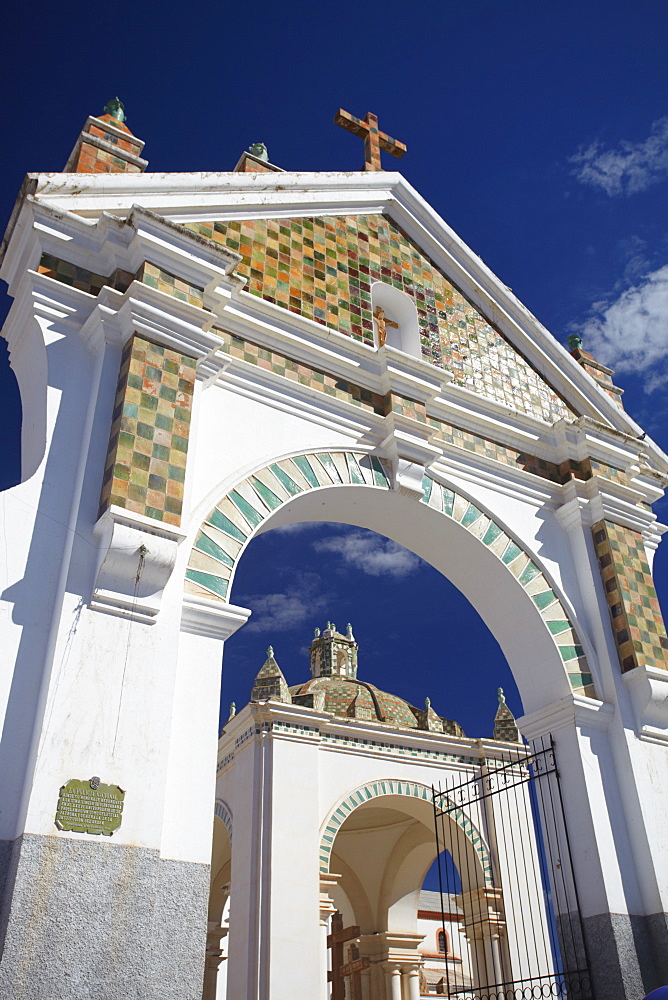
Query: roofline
180,197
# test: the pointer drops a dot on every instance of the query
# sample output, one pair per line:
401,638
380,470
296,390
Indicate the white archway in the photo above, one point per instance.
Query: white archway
520,605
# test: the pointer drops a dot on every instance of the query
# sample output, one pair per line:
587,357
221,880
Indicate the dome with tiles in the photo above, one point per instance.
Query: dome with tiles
335,688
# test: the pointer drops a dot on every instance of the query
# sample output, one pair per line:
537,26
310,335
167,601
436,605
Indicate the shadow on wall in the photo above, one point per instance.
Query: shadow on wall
10,418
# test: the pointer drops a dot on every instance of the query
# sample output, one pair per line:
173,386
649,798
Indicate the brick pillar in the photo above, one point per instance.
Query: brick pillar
106,146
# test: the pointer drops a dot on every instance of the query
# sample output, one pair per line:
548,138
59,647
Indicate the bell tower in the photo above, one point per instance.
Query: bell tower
333,654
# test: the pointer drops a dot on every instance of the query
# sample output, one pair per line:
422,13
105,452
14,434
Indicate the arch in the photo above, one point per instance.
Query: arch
224,813
392,786
241,513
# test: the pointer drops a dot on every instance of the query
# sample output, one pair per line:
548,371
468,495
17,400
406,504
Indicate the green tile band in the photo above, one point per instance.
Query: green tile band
349,468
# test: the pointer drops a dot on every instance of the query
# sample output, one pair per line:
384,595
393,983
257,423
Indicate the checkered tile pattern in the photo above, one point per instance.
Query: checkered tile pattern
295,371
322,268
151,275
146,460
505,727
120,153
70,274
148,274
637,622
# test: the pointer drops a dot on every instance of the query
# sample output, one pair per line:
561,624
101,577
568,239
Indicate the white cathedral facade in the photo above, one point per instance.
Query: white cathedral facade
202,358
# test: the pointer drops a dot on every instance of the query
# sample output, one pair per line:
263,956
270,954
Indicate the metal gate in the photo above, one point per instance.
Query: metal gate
509,875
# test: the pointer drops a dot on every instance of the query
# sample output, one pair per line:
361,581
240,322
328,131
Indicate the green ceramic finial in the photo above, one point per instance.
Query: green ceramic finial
259,151
116,109
574,342
501,696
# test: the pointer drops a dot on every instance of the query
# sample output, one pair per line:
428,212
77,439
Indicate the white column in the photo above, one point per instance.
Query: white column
393,976
411,977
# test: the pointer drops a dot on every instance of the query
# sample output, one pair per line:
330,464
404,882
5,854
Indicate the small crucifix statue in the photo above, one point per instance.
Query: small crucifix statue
382,322
374,139
336,941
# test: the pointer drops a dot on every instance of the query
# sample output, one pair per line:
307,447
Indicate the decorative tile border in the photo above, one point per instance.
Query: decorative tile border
391,786
148,444
396,749
223,812
323,268
232,522
525,571
296,371
637,622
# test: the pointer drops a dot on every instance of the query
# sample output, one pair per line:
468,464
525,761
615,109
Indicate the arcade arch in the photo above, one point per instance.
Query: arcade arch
522,607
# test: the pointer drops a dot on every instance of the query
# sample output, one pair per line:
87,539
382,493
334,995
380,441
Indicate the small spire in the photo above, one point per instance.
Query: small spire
316,633
233,711
349,631
427,703
259,151
116,109
270,684
505,727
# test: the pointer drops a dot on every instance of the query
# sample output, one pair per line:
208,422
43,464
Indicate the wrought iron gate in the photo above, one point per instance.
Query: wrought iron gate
511,880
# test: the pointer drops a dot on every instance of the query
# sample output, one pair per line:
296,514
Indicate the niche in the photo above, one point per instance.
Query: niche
399,316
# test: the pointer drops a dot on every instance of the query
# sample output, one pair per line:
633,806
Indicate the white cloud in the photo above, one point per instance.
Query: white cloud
631,167
370,553
300,527
630,334
287,610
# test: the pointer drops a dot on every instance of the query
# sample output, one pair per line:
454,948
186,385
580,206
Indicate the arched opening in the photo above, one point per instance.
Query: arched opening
380,855
397,323
419,636
519,603
215,971
380,858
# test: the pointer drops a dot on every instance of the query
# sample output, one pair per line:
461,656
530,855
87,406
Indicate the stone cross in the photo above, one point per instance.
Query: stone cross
374,139
382,322
336,941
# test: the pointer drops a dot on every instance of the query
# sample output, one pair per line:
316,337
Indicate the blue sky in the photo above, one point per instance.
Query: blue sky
539,131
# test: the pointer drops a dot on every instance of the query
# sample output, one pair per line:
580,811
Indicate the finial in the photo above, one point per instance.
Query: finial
427,703
501,696
233,711
270,651
116,109
333,627
259,151
574,342
349,631
316,634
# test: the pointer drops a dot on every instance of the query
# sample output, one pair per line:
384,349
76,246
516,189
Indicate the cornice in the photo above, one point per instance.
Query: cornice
112,242
229,195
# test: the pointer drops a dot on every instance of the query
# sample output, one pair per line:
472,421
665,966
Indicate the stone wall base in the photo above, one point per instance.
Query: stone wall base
628,954
99,921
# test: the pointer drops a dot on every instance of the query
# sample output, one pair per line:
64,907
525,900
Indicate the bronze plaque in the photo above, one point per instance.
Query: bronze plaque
90,807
